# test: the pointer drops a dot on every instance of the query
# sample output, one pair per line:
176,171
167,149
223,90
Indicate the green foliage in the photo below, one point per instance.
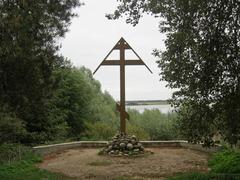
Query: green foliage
190,176
139,132
203,176
100,131
157,125
71,99
224,165
201,59
11,153
149,125
226,162
84,106
195,123
27,171
77,100
103,107
28,57
18,162
12,129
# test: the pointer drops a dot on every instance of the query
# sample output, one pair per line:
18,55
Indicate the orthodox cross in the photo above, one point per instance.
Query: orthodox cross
122,45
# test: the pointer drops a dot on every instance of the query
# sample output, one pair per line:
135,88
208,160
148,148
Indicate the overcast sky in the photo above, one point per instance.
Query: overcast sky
92,36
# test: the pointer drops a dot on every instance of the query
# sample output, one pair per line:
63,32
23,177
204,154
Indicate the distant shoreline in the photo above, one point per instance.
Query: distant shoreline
147,102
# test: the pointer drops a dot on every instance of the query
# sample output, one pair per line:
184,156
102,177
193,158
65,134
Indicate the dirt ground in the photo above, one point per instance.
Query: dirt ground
87,164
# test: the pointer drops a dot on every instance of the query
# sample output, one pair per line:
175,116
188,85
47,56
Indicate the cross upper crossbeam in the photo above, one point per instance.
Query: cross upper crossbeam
117,62
122,45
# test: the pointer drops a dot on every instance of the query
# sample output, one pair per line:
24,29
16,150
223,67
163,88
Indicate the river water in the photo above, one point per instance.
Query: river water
165,108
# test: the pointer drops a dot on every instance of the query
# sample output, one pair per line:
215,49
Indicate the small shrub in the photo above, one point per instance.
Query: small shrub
18,162
12,129
224,165
139,132
157,125
100,131
227,161
10,153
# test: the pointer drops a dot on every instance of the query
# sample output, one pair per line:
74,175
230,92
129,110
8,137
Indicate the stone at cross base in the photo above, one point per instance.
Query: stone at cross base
123,144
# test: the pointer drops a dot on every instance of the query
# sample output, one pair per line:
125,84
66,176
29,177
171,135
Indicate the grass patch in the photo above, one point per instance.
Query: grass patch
18,163
204,176
125,178
11,153
100,163
190,176
26,170
227,161
225,165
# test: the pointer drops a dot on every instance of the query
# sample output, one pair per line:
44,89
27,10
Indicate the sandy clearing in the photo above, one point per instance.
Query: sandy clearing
87,164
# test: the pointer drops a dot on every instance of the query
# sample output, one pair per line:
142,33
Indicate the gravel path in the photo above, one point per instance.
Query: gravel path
86,164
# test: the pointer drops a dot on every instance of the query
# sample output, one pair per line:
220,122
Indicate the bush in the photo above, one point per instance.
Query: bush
138,132
10,153
100,131
157,125
18,162
12,129
227,161
224,165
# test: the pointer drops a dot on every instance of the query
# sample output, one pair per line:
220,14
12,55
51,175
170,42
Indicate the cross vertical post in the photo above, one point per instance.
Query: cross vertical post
122,89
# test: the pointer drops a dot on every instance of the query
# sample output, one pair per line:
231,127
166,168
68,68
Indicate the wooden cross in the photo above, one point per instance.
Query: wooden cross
122,45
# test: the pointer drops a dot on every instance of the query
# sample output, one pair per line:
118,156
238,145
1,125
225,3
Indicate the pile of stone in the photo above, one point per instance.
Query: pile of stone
123,145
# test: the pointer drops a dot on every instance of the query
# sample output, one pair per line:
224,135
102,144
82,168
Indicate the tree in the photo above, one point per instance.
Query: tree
201,60
80,103
157,125
28,56
72,99
11,128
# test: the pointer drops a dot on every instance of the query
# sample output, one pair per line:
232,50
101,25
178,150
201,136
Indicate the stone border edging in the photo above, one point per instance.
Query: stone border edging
47,149
53,148
199,147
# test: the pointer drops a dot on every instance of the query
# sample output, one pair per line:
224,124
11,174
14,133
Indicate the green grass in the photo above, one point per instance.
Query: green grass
26,170
204,176
100,163
19,163
227,161
125,178
225,165
190,176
